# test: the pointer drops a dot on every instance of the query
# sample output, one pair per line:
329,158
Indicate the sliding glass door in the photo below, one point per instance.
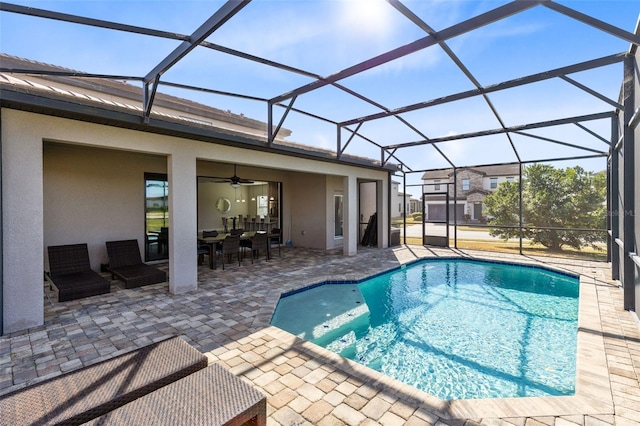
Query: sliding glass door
156,214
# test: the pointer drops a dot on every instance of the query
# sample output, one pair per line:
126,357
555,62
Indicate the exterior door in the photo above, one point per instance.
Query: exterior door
477,211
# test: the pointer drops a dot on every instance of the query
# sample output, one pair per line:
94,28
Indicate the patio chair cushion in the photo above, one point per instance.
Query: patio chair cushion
71,274
212,396
125,263
139,275
79,285
89,392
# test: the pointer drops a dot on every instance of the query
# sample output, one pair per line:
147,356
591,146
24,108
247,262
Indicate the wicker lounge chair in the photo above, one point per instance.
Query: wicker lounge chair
87,393
212,396
71,273
126,264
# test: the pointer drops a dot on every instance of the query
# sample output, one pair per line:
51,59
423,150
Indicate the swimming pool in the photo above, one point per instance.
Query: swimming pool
455,328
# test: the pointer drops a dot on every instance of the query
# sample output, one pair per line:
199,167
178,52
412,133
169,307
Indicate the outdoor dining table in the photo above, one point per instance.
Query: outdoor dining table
218,239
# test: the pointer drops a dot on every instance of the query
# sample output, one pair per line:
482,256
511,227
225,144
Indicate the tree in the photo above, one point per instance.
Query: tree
551,198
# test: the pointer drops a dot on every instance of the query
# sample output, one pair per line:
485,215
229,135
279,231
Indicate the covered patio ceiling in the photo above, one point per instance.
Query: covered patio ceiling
421,84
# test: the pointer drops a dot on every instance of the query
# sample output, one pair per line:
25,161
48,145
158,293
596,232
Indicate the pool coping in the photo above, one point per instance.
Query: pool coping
592,385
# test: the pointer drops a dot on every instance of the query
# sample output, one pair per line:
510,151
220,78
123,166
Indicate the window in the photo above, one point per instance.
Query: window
465,184
337,206
494,183
436,186
156,213
263,206
510,178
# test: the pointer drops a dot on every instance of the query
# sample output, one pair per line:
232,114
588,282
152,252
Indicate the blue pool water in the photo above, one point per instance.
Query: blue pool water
457,329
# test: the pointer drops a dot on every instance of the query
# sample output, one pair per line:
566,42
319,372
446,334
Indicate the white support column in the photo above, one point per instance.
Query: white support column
183,265
350,219
382,206
22,226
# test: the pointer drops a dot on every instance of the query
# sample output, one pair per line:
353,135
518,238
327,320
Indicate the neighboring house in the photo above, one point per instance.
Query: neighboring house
396,200
401,203
76,153
472,186
413,205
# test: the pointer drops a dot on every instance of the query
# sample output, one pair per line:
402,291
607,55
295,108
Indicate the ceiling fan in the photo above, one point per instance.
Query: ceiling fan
234,180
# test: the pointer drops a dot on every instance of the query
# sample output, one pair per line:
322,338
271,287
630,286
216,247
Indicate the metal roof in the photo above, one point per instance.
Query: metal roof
343,90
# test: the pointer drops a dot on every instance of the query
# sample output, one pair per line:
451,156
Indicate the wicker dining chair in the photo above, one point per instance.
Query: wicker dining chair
274,238
230,247
259,241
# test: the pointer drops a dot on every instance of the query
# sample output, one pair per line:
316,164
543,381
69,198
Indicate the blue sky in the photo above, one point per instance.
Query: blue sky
327,36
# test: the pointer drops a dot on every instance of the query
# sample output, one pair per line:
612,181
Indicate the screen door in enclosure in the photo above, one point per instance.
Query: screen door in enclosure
436,215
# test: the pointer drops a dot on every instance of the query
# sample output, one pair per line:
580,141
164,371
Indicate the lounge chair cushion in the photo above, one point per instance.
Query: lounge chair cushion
89,392
139,275
212,396
79,285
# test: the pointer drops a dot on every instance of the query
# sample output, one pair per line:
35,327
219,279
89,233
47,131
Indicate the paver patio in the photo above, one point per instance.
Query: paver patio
227,318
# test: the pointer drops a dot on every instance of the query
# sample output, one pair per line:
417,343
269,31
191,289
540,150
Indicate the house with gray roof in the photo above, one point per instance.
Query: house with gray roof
466,192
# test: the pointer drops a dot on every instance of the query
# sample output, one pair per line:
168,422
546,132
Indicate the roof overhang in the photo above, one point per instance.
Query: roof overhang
89,112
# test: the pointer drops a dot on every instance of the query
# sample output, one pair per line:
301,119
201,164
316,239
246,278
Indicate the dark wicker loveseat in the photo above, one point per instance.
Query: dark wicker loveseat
126,264
71,273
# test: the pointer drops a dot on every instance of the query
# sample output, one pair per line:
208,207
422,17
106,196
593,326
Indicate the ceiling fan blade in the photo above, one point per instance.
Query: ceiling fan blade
234,179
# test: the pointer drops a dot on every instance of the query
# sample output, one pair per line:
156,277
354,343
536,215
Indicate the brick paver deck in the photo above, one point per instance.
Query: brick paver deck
227,318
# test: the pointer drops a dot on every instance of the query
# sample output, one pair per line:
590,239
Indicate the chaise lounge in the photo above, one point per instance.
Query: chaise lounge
126,264
90,392
71,274
211,396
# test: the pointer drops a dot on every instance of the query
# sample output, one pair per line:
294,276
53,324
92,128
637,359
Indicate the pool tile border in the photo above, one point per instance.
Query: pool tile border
414,262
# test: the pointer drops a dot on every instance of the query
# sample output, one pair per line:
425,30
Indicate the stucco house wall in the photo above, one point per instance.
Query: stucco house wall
88,179
396,200
309,211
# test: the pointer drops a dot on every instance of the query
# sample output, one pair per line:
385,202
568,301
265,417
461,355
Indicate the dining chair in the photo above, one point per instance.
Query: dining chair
231,246
211,250
259,242
274,238
205,249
